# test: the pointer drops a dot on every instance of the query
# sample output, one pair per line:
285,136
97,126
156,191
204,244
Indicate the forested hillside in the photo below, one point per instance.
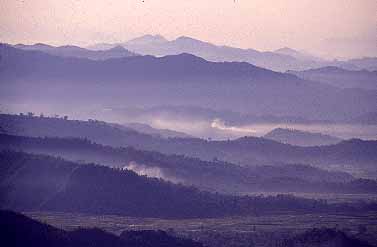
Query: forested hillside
18,230
246,151
213,176
38,182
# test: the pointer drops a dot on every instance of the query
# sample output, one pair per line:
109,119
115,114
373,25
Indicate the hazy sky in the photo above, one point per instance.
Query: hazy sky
340,28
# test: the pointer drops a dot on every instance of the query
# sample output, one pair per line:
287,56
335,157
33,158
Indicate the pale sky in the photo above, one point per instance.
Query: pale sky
337,28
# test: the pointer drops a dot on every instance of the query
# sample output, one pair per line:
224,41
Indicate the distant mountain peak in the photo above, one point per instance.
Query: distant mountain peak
36,46
118,48
70,46
330,69
298,54
187,39
185,57
286,49
19,45
42,45
289,51
155,37
148,38
325,69
300,137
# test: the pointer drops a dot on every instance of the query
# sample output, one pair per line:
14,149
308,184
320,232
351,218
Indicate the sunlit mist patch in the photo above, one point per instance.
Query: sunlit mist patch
219,124
150,171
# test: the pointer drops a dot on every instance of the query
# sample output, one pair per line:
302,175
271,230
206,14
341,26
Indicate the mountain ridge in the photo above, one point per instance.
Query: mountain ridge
301,138
246,151
279,60
70,187
177,79
340,77
78,52
222,177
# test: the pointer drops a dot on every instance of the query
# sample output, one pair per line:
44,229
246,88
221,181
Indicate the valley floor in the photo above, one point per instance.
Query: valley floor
259,229
329,197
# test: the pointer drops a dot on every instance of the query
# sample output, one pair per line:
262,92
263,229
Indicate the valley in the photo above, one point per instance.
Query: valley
258,229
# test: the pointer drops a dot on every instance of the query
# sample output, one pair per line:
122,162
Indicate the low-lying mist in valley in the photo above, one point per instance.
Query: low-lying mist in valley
188,123
150,171
205,123
218,129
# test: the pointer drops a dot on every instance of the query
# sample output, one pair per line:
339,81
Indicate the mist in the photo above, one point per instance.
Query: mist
221,123
150,171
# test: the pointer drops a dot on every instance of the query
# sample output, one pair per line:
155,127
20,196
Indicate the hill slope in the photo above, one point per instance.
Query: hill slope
339,77
172,80
78,52
280,60
247,151
213,176
37,182
300,138
19,230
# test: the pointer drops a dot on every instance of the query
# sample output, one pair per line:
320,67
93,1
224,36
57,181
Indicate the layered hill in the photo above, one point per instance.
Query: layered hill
350,155
211,176
147,129
341,77
37,182
78,52
172,80
301,138
280,60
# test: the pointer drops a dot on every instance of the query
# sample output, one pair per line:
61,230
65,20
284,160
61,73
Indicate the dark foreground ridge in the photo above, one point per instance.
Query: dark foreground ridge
19,230
323,237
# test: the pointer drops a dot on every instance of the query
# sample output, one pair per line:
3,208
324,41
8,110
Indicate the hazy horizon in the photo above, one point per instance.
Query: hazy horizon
204,133
336,29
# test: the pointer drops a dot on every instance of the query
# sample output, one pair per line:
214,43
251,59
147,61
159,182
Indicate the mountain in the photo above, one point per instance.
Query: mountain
354,153
368,63
102,46
339,77
159,46
197,113
297,54
37,182
148,39
19,230
172,80
214,124
350,155
147,129
280,60
207,175
228,125
323,237
145,40
301,138
78,52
